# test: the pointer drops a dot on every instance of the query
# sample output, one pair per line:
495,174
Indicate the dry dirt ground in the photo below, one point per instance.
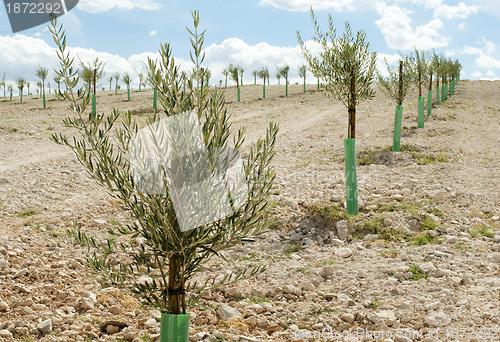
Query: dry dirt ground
420,262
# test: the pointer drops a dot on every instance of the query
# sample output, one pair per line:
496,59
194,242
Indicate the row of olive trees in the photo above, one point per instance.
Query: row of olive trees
418,69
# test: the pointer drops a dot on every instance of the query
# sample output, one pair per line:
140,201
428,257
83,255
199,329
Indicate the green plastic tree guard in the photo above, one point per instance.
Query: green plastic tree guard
443,93
264,91
128,93
421,105
21,96
429,102
155,97
10,96
437,96
238,94
350,177
396,143
44,104
94,105
304,87
286,91
318,83
174,328
450,92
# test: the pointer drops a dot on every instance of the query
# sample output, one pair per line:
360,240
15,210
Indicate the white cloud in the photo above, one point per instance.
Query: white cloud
391,60
153,33
253,57
487,62
95,6
461,26
305,5
462,11
395,25
485,58
429,4
20,55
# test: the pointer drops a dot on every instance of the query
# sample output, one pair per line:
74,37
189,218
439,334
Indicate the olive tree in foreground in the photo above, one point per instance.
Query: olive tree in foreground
347,68
42,74
168,256
395,86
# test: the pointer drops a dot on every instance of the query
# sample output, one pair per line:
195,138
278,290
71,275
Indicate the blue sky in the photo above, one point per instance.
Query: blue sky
256,33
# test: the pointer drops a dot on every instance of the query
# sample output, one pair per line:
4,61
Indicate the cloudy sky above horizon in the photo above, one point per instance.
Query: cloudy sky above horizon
255,33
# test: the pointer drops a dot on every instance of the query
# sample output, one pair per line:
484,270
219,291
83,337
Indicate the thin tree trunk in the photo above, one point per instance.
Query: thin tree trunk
400,96
352,110
175,286
430,84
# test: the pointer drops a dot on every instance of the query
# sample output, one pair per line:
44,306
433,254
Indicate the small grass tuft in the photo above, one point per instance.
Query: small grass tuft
292,248
485,231
28,213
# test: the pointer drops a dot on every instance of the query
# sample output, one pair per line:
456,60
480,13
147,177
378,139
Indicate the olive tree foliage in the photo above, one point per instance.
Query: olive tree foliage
345,65
399,81
264,74
303,72
283,71
234,72
3,83
421,72
21,83
126,79
42,74
86,73
167,256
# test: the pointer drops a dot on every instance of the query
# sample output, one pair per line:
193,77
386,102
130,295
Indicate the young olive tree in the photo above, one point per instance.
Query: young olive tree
420,74
141,79
42,74
347,67
21,83
3,84
254,74
10,88
283,71
303,74
110,80
116,76
127,80
169,256
264,74
396,86
91,73
225,72
278,76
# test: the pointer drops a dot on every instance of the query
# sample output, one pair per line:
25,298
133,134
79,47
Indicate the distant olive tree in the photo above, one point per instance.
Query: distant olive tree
116,76
127,80
87,73
10,88
347,67
278,77
3,84
254,74
303,74
264,74
110,80
42,74
21,83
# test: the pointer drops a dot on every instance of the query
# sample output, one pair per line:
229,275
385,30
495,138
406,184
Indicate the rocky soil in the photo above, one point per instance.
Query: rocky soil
420,262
